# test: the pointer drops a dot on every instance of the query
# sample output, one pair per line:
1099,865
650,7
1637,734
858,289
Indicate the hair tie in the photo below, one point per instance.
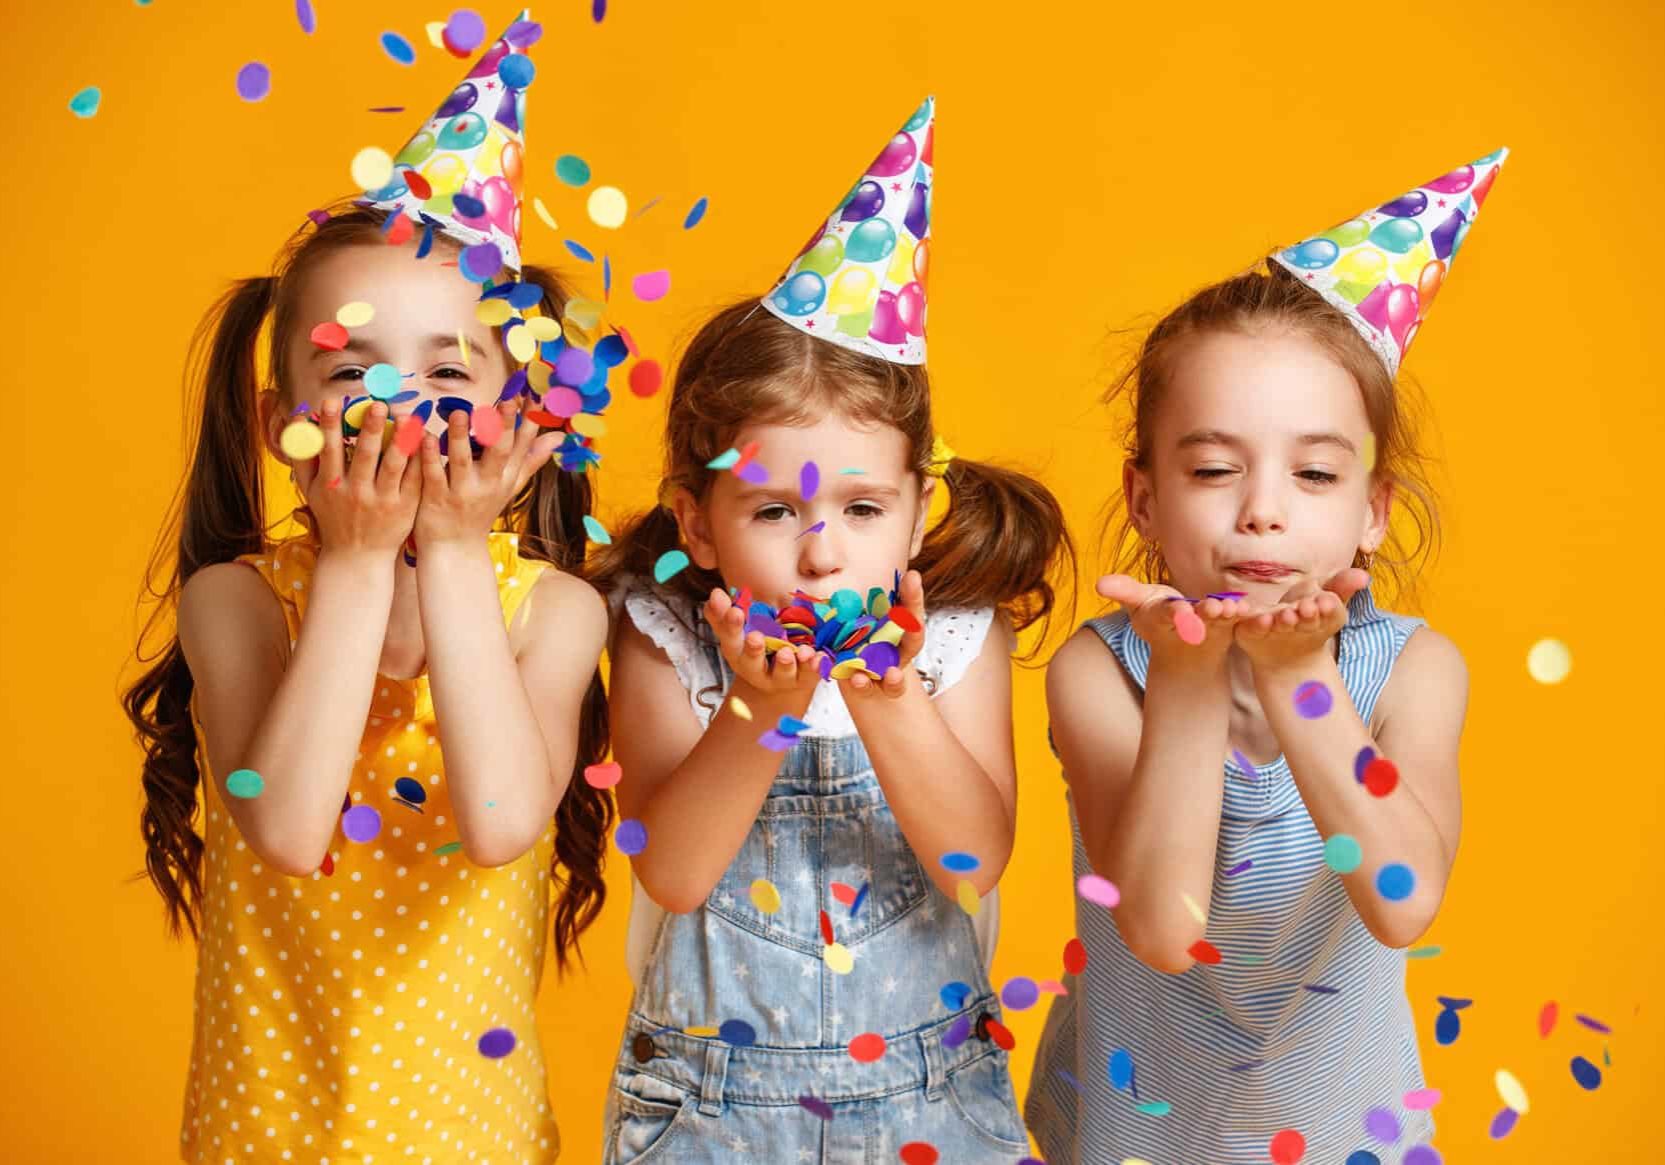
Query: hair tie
941,455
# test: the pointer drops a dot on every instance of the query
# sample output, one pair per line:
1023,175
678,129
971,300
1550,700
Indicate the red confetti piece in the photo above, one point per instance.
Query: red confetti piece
905,619
330,336
743,600
418,186
843,893
545,418
1001,1035
327,866
826,928
645,378
1546,1019
1188,625
1288,1147
1380,776
746,455
400,231
407,434
918,1153
1205,952
603,776
487,426
867,1048
1075,956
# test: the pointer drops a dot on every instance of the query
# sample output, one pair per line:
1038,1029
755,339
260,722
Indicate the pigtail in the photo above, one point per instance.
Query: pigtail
1002,543
217,514
549,517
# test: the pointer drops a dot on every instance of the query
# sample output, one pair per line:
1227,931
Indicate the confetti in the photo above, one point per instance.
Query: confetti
695,214
1020,993
1362,1157
809,480
371,169
1586,1073
1546,1019
497,1043
254,81
1509,1088
816,1107
1503,1123
1240,867
670,564
1193,909
1448,1025
1120,1069
398,48
244,783
867,1048
1362,759
1154,1107
1382,1124
517,70
826,926
598,10
1424,952
651,285
739,708
579,251
1205,952
917,1153
1548,661
955,995
1342,853
596,531
1245,764
408,434
1381,776
301,440
815,529
353,315
843,892
408,791
960,863
1422,1155
1313,700
1000,1034
630,837
572,170
861,896
765,896
85,103
543,213
838,958
1315,988
1288,1147
382,381
958,1032
449,847
608,207
1075,957
465,31
604,775
1422,1099
361,823
1097,890
967,896
1395,882
1594,1024
737,1032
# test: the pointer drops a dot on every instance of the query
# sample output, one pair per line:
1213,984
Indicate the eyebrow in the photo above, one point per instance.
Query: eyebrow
435,342
863,488
1219,437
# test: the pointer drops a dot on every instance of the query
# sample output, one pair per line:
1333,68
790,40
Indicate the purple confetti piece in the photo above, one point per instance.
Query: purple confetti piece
305,16
386,109
1382,1124
1239,868
812,1105
1070,1080
1244,763
775,741
1502,1124
254,81
809,480
598,13
1223,595
631,837
497,1043
1320,989
1246,1066
1594,1024
815,529
1313,700
361,823
752,473
1422,1155
957,1032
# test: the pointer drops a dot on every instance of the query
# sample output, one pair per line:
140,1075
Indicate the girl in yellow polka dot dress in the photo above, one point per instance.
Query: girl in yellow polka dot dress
385,738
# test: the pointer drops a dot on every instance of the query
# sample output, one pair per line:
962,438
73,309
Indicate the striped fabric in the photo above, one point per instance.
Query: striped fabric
1304,1025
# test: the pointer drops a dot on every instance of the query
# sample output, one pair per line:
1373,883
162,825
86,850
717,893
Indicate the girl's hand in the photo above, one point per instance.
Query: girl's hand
1301,625
369,505
461,500
788,681
894,681
1178,631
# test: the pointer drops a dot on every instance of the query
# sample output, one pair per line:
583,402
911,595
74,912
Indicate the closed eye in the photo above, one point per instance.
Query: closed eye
1319,476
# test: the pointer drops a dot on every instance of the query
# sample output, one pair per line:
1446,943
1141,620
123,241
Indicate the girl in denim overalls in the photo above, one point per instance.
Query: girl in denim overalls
810,973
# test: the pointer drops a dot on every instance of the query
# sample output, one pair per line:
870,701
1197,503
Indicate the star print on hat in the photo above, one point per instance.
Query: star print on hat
464,171
860,280
1383,268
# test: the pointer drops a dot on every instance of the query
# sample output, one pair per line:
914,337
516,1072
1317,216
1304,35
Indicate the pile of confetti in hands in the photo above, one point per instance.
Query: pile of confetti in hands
848,635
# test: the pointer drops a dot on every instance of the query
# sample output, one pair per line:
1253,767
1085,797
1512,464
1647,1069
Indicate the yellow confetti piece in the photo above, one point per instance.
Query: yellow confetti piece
1196,911
702,1032
575,334
608,207
301,440
436,33
1511,1091
537,375
522,345
355,314
355,414
967,895
1369,452
543,213
739,707
543,328
494,313
838,958
586,313
1549,661
371,168
765,897
589,425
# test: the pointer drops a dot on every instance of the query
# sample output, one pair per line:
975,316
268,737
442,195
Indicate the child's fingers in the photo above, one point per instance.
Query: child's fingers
331,462
410,481
391,475
434,484
508,444
459,454
1125,589
367,453
895,679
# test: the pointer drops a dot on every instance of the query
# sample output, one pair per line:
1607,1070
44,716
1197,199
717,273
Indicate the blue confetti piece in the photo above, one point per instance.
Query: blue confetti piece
85,103
398,48
954,995
695,214
960,863
737,1032
861,896
579,251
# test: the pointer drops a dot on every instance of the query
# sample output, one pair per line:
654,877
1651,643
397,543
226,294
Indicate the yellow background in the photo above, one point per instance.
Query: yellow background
1096,162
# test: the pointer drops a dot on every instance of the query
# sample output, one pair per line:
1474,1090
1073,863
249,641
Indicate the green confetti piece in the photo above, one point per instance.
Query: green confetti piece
245,783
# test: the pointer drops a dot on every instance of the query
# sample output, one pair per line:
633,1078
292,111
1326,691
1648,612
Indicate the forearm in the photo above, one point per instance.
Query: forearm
942,798
502,786
1396,828
305,745
1160,848
698,816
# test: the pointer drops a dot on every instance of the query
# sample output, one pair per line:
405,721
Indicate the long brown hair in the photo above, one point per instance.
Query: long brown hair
219,513
1001,543
1263,296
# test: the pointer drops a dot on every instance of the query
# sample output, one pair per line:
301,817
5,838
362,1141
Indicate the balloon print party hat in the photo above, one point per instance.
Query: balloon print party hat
860,281
1383,268
464,171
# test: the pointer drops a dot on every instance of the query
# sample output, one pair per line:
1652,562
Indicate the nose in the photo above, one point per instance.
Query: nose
1263,509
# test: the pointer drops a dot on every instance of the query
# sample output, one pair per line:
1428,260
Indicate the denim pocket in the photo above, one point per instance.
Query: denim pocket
981,1092
650,1113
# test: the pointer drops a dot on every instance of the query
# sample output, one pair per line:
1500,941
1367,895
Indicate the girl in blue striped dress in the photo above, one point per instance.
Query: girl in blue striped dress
1262,779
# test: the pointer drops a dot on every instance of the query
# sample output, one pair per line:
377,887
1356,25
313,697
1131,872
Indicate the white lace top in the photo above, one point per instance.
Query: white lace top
953,637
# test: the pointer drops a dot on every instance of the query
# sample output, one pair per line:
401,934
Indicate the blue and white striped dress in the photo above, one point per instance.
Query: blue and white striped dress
1246,1048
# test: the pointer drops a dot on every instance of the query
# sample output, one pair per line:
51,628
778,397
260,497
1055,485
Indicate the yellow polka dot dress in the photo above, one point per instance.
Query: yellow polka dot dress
339,1017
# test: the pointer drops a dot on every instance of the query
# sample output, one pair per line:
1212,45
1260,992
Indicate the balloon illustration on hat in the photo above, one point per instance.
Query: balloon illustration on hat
860,280
1383,268
463,171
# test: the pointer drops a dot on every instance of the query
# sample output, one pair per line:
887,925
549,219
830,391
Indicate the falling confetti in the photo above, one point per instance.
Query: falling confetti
371,168
608,207
1549,661
398,48
695,214
669,565
497,1043
651,285
630,837
572,170
604,775
1100,891
254,81
245,783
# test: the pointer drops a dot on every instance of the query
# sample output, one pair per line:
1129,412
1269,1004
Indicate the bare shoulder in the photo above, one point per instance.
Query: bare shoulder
1429,672
226,607
1084,675
562,603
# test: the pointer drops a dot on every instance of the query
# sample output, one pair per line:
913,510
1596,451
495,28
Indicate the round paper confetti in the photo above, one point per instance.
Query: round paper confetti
603,776
1120,1068
1502,1124
1381,776
670,564
1362,1157
1509,1088
497,1043
254,81
1395,882
596,531
966,894
1549,661
737,1032
816,1107
410,790
1382,1124
1205,952
244,783
867,1048
1000,1034
305,17
398,48
739,708
353,315
916,1152
371,169
1075,956
301,440
960,863
361,823
646,377
1422,1099
1342,853
465,30
517,70
1546,1019
85,103
1586,1073
382,381
1312,700
1097,890
651,285
1422,1155
695,213
1448,1025
1192,908
330,336
838,958
955,994
1288,1147
630,837
449,847
1020,993
765,896
608,207
572,169
1363,758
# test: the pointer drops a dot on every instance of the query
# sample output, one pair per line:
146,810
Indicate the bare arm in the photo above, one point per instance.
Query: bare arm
1146,785
508,724
295,718
946,765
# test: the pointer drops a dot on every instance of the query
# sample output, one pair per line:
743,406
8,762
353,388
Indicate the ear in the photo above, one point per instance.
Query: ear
268,406
1378,508
927,491
1140,497
696,531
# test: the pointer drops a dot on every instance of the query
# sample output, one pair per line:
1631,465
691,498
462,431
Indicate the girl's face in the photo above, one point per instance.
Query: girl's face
1258,476
424,312
758,536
